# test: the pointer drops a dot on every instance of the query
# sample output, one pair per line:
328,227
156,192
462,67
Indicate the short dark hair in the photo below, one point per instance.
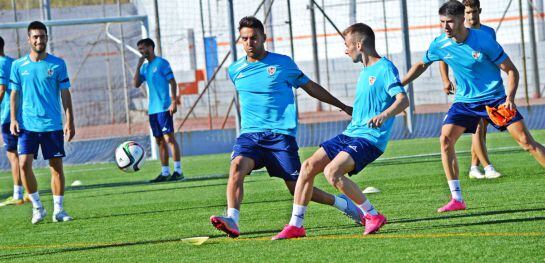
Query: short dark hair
362,32
251,22
36,25
452,8
472,3
146,42
1,44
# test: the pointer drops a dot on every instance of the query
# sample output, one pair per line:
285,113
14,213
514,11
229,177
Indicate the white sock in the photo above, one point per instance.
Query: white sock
297,215
35,199
368,208
474,168
340,203
489,168
178,167
165,170
17,192
57,203
455,190
233,214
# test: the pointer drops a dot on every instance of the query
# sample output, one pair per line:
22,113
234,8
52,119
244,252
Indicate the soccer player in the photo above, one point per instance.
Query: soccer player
476,60
264,81
479,154
161,108
39,81
10,141
379,98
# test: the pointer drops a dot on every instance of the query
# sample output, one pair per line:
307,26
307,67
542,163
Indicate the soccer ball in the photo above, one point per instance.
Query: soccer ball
130,156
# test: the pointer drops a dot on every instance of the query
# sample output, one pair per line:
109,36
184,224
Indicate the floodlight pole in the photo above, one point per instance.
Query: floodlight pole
292,49
407,50
351,11
17,42
533,47
45,6
268,24
233,45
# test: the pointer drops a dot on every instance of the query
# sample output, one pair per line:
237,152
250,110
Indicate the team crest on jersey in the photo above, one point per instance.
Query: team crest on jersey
271,70
372,80
476,54
50,72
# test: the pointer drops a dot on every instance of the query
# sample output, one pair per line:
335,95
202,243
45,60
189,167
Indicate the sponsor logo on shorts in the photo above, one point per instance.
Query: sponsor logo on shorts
353,147
296,173
57,154
165,129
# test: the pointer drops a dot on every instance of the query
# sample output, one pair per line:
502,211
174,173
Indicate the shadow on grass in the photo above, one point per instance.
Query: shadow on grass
474,214
222,205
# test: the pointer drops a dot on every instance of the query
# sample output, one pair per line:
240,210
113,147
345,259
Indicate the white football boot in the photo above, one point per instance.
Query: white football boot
61,216
38,215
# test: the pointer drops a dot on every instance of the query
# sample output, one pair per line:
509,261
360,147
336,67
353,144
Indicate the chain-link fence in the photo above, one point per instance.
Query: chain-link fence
194,37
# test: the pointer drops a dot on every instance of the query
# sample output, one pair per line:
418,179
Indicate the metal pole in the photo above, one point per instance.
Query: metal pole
522,42
157,28
326,55
314,49
124,68
540,21
46,15
108,71
407,50
268,25
233,45
533,46
205,55
17,42
385,28
351,11
292,49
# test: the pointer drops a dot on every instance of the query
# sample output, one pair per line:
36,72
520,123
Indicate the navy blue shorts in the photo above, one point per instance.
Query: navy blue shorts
161,123
276,152
361,150
10,140
468,114
52,143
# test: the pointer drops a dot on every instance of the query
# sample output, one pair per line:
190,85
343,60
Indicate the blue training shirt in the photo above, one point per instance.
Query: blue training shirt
474,63
39,85
488,30
157,74
5,70
376,89
266,95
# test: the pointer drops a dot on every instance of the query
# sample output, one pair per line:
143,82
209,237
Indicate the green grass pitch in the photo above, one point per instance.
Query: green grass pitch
120,217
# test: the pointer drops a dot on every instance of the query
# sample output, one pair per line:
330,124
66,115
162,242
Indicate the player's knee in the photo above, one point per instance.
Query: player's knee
445,141
160,141
526,143
332,174
308,167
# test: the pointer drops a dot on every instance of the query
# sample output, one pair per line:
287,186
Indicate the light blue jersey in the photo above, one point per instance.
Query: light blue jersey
266,95
157,74
474,63
39,85
5,69
488,30
376,89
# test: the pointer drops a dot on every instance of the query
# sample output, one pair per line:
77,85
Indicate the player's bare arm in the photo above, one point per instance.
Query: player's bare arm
316,91
2,92
69,127
13,105
399,105
172,108
415,72
136,79
512,82
448,87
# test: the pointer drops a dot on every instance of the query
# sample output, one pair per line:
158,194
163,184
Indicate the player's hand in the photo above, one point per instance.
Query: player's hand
69,131
448,88
377,121
14,128
510,104
141,60
172,108
348,110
